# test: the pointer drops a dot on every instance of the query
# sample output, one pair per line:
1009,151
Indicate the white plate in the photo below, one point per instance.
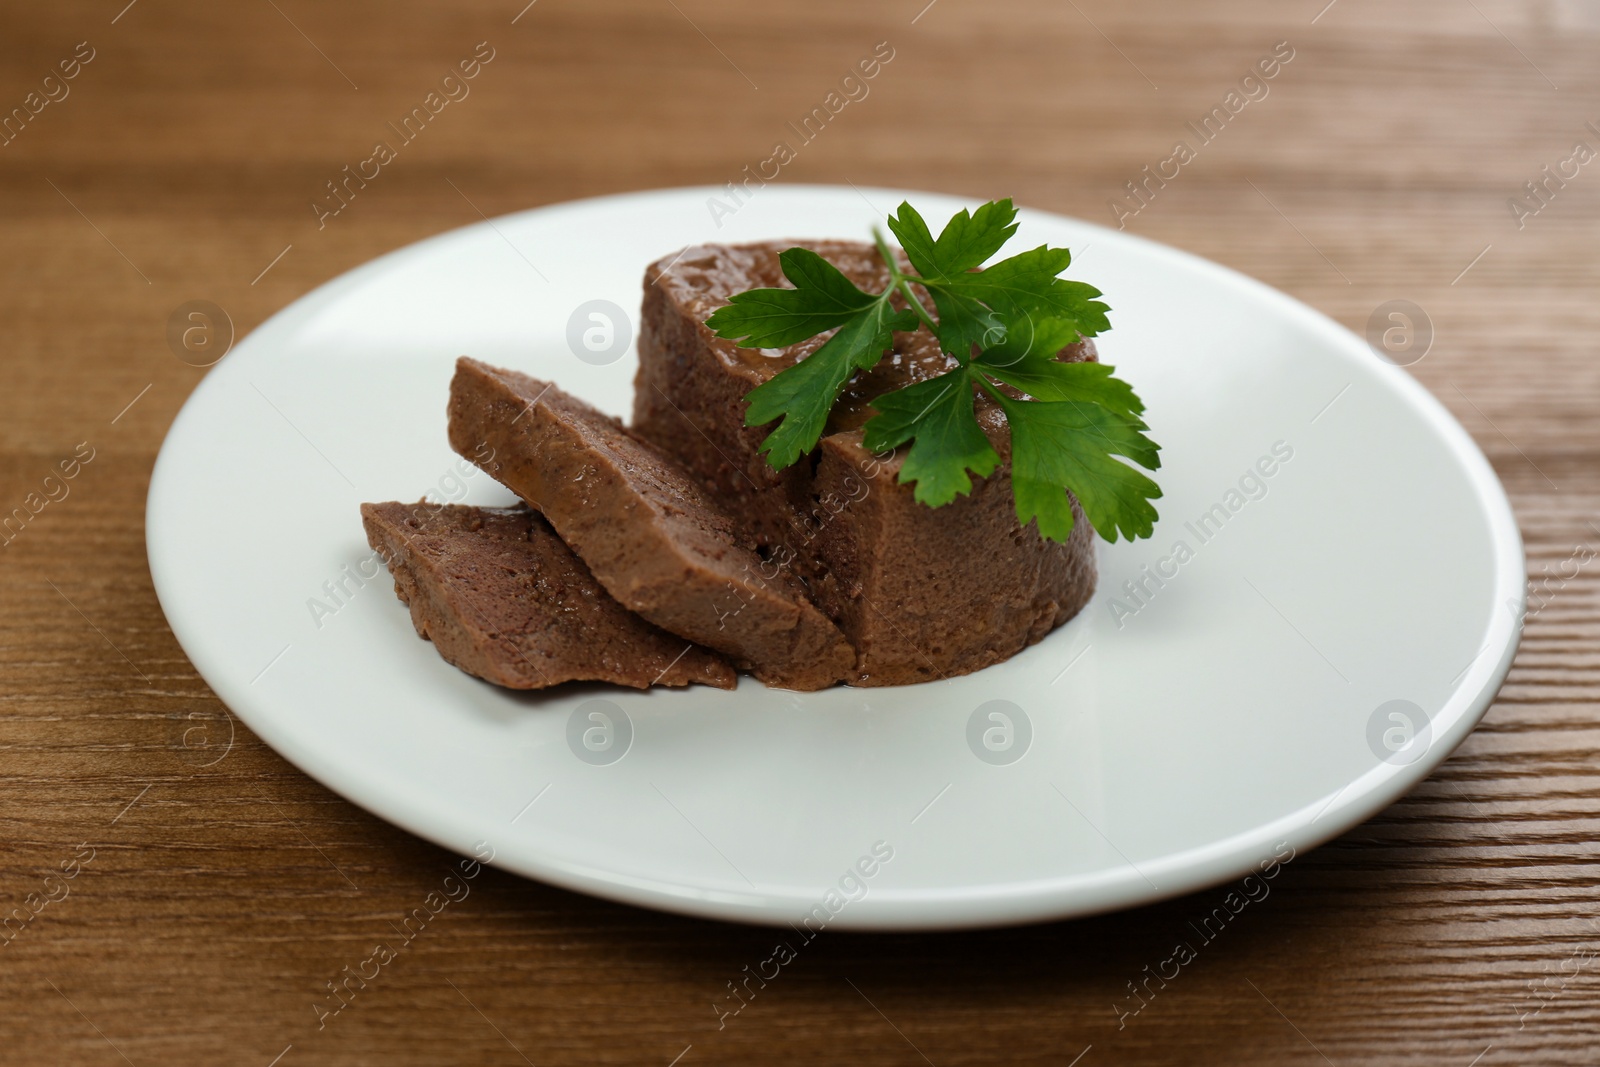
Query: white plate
1242,711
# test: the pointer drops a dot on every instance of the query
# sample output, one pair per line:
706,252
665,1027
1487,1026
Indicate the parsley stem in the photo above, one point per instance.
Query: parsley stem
898,281
916,306
990,388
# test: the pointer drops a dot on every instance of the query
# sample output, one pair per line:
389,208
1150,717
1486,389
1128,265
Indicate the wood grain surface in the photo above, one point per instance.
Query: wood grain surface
217,889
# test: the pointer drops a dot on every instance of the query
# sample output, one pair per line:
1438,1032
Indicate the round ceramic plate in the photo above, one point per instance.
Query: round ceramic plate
1328,605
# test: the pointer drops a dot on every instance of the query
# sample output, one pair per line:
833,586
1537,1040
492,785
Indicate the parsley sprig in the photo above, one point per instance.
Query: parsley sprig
1005,325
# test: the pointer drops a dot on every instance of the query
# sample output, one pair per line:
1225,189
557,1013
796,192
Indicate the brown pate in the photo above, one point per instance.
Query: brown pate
648,532
921,593
502,598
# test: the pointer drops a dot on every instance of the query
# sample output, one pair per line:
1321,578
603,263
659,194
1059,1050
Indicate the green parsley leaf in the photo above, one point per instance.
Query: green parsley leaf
937,416
966,242
1091,383
821,299
1026,360
1030,338
1072,445
965,323
1026,284
804,393
1005,324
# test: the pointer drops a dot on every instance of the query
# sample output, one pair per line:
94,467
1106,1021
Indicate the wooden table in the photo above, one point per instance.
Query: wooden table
217,889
